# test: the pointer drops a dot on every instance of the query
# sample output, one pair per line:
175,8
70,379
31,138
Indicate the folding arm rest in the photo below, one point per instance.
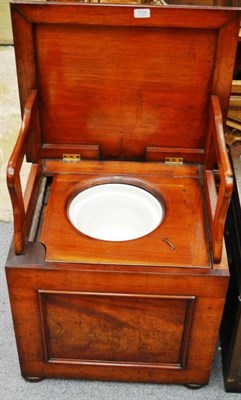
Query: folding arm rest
22,207
216,153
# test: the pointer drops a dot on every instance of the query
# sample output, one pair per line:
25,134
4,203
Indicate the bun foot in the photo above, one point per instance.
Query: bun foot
193,386
33,379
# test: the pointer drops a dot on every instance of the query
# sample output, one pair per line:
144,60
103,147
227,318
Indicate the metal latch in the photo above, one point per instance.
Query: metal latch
174,160
71,157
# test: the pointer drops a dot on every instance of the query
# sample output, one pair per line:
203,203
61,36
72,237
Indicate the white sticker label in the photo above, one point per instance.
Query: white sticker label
142,13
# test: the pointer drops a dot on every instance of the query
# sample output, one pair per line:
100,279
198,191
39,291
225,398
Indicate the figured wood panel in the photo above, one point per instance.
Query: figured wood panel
116,328
127,96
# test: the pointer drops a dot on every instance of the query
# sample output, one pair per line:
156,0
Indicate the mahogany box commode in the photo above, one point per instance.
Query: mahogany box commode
118,269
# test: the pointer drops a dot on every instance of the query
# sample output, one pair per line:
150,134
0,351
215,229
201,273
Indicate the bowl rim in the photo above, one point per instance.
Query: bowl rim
140,184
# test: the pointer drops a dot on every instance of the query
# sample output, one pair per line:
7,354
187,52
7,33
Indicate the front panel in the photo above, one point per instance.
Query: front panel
116,328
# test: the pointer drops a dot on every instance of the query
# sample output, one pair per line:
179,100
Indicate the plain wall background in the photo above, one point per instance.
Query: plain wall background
5,24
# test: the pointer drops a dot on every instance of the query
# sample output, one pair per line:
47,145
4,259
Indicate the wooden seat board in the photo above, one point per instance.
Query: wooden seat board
183,198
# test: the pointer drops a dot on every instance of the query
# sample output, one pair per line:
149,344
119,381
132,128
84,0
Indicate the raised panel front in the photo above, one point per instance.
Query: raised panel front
116,328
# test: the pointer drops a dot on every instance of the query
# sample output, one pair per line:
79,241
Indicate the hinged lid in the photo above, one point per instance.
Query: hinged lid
123,78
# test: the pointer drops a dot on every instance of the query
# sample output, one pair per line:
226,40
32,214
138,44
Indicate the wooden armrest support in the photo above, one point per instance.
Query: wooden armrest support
21,214
216,153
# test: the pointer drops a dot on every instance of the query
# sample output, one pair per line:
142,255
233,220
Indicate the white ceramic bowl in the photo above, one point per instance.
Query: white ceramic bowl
115,212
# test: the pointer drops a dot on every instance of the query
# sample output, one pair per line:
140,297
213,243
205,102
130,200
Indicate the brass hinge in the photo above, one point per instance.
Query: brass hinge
71,157
174,160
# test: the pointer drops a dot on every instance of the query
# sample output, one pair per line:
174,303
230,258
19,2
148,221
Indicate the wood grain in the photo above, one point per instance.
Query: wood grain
182,196
22,210
216,154
107,328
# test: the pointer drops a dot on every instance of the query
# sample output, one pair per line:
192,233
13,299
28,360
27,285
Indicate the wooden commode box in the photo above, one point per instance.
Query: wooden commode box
118,270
